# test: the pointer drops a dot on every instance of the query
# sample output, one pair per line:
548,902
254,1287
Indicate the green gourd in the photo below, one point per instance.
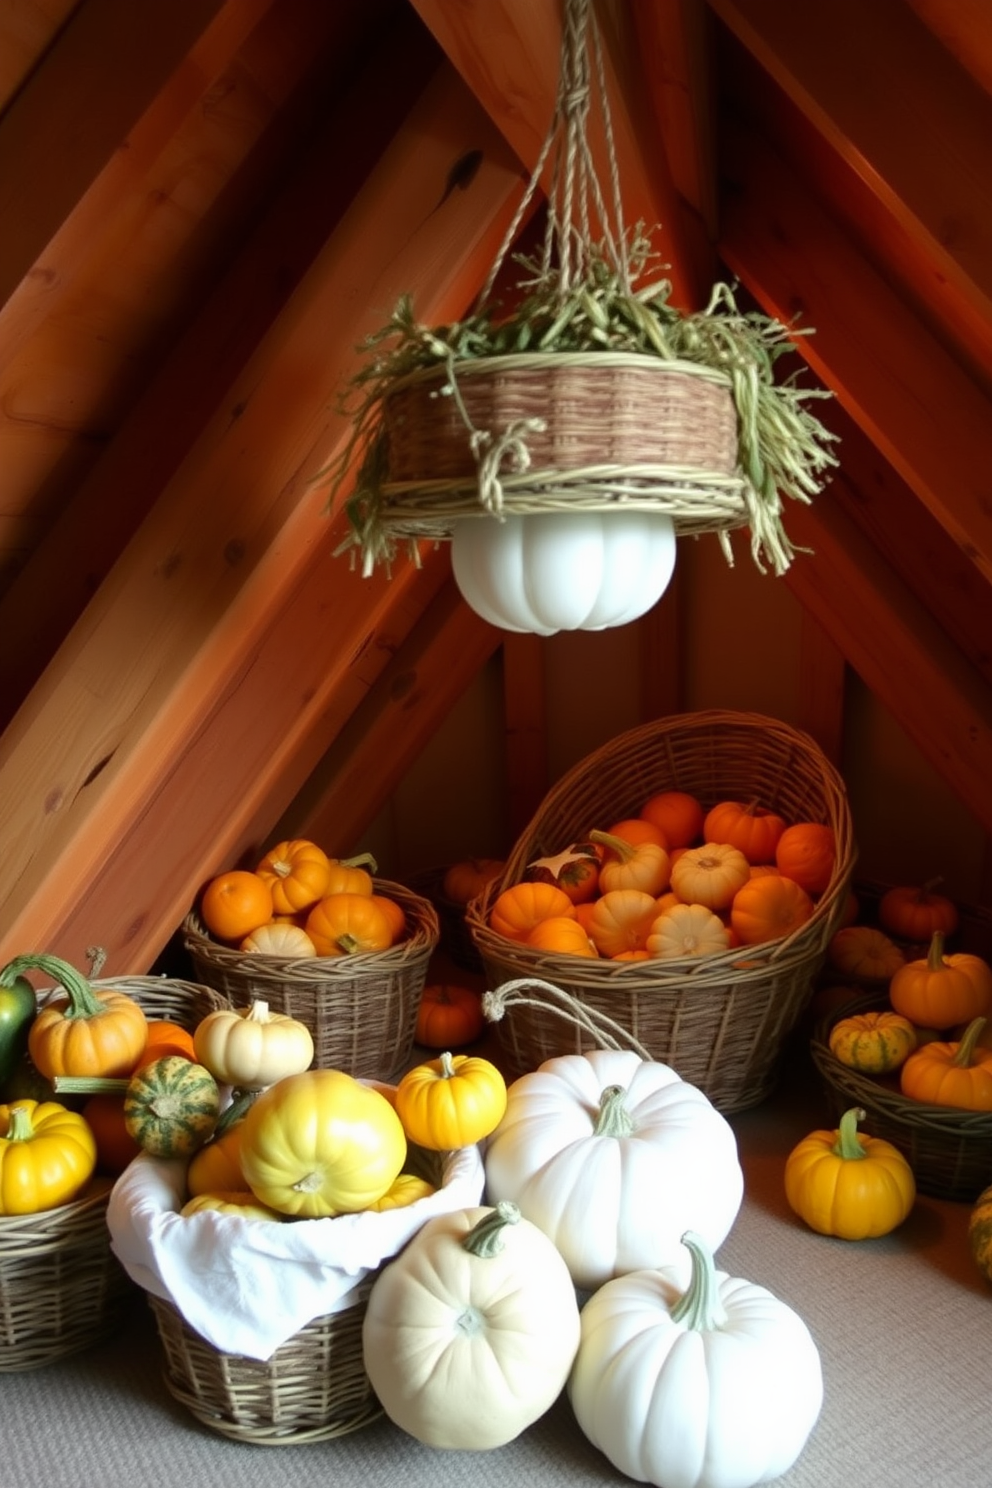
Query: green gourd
171,1106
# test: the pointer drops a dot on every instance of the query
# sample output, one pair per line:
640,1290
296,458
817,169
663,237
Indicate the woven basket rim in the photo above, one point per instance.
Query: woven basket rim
538,361
949,1121
664,974
321,969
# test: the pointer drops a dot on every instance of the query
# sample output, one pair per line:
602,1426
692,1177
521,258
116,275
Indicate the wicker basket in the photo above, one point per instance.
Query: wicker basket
361,1009
61,1287
949,1150
600,428
313,1387
720,1021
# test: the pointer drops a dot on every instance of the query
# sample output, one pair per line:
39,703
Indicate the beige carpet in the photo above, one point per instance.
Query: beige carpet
902,1324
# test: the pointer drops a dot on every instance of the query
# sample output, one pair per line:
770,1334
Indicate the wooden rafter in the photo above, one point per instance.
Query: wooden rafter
203,589
508,53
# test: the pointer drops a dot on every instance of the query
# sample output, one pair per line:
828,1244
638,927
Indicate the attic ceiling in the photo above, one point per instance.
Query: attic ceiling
207,204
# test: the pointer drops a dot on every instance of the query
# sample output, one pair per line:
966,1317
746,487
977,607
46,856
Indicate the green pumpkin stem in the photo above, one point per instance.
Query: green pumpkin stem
848,1143
699,1306
83,1002
614,1120
20,1127
964,1054
89,1084
624,850
935,955
486,1238
363,860
241,1100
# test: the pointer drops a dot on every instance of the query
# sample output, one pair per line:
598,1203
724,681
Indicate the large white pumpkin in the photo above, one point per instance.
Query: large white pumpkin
470,1333
614,1180
568,570
715,1386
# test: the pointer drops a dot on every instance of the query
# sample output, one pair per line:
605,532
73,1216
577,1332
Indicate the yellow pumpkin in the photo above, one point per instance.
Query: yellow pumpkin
849,1185
873,1042
451,1102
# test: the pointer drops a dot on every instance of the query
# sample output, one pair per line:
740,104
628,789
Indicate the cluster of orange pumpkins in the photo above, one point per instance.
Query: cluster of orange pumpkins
676,880
299,903
930,1034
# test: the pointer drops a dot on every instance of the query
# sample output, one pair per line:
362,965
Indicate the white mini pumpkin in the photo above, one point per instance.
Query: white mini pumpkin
716,1386
614,1157
470,1333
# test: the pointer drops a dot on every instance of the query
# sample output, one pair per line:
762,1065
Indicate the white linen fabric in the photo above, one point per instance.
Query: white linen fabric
247,1285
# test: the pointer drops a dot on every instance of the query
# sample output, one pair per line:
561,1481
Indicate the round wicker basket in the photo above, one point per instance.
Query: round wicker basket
312,1388
577,431
720,1021
361,1010
949,1150
61,1287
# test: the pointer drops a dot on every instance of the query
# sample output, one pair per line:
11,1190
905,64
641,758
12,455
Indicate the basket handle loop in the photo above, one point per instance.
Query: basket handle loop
607,1033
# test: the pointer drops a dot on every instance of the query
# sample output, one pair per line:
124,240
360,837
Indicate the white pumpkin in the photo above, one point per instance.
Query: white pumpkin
716,1386
614,1157
570,570
470,1333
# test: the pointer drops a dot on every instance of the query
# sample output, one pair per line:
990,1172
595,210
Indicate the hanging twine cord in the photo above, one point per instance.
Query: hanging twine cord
606,1033
484,387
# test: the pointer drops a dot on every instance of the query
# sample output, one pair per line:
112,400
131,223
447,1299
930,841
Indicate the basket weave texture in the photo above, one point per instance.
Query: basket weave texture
361,1009
719,1020
61,1287
312,1388
578,431
950,1151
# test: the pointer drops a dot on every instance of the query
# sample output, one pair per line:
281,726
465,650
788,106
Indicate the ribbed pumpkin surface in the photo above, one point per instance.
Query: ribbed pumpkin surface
171,1106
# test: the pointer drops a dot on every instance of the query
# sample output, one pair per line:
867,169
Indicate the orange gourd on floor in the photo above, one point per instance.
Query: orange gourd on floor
449,1016
939,991
916,913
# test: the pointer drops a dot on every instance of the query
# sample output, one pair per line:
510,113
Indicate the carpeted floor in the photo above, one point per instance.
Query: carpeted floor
901,1324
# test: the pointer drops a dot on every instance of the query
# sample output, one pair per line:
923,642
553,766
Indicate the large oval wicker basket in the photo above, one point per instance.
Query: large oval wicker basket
61,1287
361,1009
720,1021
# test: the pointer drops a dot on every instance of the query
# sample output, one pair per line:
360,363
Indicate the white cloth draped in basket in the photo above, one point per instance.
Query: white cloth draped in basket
247,1285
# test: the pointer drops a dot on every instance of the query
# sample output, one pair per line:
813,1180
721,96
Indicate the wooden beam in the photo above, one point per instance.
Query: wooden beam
104,70
908,394
400,714
78,550
964,27
897,649
508,53
896,107
183,614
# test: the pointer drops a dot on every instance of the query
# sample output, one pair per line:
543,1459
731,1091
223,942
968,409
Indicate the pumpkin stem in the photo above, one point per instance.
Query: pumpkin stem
258,1012
20,1127
614,1120
446,1065
699,1306
241,1100
935,956
90,1084
347,944
848,1144
624,850
363,860
964,1054
83,1002
486,1238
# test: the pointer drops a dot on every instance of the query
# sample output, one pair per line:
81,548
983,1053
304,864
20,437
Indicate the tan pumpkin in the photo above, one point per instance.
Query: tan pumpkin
710,874
686,930
280,938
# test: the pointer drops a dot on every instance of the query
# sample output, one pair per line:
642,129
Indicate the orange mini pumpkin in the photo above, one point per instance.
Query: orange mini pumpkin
449,1016
632,865
561,935
752,829
915,913
769,907
236,903
348,924
938,991
297,873
519,908
954,1073
677,814
621,920
806,852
